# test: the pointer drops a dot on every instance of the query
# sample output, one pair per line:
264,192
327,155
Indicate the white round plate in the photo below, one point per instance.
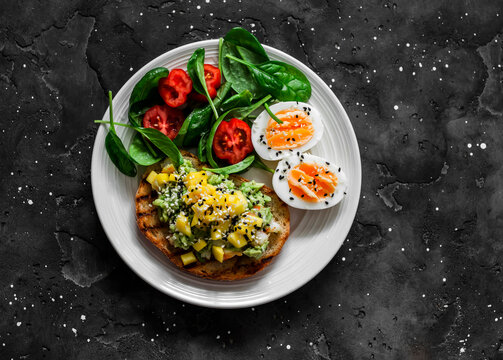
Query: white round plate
315,236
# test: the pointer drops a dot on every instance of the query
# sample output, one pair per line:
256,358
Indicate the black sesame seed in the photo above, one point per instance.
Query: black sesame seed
339,170
302,195
281,177
287,139
268,148
345,193
326,162
326,202
277,170
299,180
291,198
325,194
298,153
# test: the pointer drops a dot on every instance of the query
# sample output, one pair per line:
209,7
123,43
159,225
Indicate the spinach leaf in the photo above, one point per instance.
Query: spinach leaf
243,112
195,68
140,153
201,147
235,168
209,142
254,52
163,143
118,154
199,119
115,148
283,81
147,86
238,74
272,115
259,164
136,112
220,57
239,100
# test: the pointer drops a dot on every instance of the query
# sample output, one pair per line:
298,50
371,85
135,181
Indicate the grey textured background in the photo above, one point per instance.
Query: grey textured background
420,274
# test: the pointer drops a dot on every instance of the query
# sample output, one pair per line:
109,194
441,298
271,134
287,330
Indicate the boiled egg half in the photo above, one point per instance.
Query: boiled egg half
302,128
306,181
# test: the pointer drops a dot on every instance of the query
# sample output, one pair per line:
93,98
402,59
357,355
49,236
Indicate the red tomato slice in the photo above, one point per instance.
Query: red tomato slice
175,87
165,119
232,141
213,82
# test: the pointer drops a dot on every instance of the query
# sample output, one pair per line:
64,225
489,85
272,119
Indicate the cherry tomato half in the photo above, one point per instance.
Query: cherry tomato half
213,82
165,119
232,141
175,87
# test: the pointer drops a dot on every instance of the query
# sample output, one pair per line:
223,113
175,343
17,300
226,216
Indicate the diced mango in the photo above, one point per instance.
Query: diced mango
182,224
230,254
199,245
247,224
168,169
237,239
195,220
218,253
173,177
161,179
188,258
151,177
196,178
218,230
236,202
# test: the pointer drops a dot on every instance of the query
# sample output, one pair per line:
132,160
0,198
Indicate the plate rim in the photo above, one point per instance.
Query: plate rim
274,295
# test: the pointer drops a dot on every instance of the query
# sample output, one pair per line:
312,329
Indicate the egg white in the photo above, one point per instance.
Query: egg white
282,189
260,125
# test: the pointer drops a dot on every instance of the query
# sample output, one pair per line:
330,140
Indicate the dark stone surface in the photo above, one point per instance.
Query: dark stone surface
420,275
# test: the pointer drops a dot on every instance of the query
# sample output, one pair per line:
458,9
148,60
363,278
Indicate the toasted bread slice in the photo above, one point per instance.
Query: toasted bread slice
238,267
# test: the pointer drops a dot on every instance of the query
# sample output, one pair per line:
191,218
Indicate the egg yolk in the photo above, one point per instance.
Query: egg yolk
311,182
296,130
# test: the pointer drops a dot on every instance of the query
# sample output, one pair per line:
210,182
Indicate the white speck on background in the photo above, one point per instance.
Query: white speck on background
469,146
288,347
395,107
30,202
18,323
83,317
483,146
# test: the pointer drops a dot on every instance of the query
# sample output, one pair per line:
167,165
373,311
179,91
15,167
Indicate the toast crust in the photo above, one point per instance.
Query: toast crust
238,267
